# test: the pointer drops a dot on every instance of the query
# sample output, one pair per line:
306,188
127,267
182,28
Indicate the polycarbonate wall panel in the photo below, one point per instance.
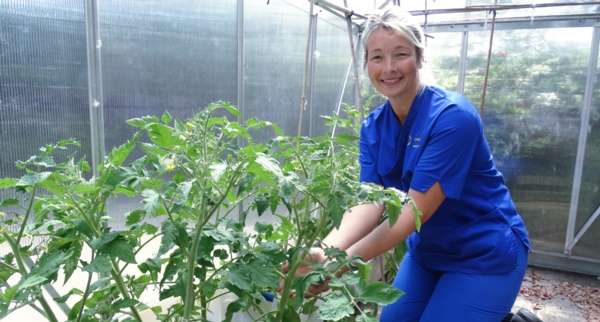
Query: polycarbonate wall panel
275,48
275,38
177,56
43,79
332,59
165,55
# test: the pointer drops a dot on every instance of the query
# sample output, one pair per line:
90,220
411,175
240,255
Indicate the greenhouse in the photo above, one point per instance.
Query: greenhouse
178,160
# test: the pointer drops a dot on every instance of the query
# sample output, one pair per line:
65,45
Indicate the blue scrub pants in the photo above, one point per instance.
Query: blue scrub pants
434,296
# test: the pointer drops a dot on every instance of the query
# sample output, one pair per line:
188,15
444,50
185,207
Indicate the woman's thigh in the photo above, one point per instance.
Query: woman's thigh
418,284
481,298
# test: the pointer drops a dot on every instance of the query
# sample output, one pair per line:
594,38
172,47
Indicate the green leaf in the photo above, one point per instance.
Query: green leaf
100,283
183,191
7,182
31,179
44,226
205,247
287,185
336,206
32,280
393,213
9,294
379,293
336,307
235,306
418,214
364,269
166,117
134,217
217,170
269,164
8,202
290,315
262,275
118,155
347,137
142,122
151,202
123,304
239,277
151,264
230,108
366,318
84,188
302,282
169,237
175,290
162,135
153,151
245,183
274,200
72,315
120,248
273,252
262,203
64,298
50,262
73,260
100,264
98,243
116,176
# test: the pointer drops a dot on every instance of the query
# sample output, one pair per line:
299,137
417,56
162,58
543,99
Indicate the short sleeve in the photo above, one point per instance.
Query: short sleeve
449,151
368,165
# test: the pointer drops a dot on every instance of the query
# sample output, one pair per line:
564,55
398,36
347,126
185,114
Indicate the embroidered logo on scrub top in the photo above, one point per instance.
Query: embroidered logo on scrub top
416,143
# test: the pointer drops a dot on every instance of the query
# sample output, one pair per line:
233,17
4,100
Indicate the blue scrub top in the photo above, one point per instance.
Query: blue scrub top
476,229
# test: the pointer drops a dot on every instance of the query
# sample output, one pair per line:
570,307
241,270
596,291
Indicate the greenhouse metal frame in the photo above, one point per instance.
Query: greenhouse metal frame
243,77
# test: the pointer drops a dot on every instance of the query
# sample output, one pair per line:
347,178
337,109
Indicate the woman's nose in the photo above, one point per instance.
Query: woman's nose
389,65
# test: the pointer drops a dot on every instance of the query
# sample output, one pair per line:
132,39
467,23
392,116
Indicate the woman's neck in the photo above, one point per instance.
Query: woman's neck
401,105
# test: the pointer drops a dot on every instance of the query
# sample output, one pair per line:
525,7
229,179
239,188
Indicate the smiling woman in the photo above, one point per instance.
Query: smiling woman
429,142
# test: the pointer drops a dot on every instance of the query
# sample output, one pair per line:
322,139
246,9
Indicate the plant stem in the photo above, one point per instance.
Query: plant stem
27,213
189,294
23,271
9,267
86,293
121,286
49,313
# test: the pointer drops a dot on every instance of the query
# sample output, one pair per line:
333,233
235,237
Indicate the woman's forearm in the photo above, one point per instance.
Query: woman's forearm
384,237
355,225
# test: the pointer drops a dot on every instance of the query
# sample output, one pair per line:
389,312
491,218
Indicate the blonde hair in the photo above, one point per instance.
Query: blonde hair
399,21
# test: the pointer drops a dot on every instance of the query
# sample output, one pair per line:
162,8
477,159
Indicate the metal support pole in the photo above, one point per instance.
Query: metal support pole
312,76
462,63
582,231
583,134
95,100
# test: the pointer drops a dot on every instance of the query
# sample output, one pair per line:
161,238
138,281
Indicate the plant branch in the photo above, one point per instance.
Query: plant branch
27,214
122,289
86,293
9,267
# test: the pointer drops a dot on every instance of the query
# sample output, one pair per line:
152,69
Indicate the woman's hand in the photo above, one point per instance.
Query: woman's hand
315,254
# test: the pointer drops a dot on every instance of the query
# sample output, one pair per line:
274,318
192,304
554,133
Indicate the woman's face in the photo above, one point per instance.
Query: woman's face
392,65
